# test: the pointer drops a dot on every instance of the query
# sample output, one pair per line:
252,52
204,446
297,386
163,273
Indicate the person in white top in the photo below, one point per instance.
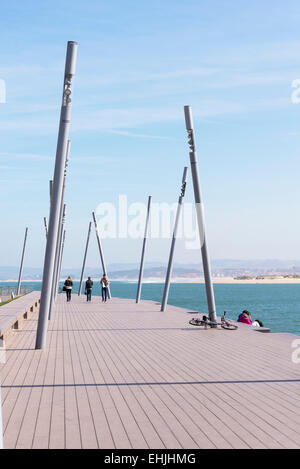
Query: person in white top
104,284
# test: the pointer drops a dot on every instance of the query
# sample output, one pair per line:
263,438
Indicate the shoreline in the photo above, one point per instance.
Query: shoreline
216,280
226,280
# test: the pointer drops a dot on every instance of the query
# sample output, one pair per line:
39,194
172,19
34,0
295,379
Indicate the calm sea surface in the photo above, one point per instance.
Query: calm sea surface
278,306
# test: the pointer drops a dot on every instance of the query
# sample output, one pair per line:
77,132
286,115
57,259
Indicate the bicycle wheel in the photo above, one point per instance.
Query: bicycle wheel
229,326
197,322
202,322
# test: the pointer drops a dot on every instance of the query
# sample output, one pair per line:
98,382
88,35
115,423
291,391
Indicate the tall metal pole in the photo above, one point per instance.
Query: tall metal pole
200,214
170,264
84,259
100,250
56,196
139,289
22,261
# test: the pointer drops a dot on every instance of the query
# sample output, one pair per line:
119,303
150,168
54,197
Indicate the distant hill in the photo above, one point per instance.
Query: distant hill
12,273
220,268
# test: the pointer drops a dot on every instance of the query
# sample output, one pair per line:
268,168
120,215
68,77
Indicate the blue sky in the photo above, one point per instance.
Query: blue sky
138,64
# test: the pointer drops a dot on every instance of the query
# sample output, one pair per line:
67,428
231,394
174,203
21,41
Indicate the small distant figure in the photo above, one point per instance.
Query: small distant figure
68,287
104,284
88,289
245,317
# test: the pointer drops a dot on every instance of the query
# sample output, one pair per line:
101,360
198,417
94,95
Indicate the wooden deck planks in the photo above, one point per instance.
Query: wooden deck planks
122,375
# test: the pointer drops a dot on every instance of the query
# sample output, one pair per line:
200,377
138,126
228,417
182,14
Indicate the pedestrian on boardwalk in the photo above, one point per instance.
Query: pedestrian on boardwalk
68,285
104,284
88,289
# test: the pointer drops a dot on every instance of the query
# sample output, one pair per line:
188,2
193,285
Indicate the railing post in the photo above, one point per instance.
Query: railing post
100,250
84,258
138,294
22,261
56,196
170,263
200,214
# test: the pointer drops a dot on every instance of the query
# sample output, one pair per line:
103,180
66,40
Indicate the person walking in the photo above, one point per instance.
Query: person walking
88,289
68,288
104,284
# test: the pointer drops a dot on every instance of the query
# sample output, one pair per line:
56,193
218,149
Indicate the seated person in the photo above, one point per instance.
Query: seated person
257,323
245,317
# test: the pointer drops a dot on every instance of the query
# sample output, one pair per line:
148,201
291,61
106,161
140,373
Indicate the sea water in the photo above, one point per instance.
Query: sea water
277,306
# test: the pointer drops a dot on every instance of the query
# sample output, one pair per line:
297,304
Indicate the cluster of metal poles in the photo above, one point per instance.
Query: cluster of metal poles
55,232
100,252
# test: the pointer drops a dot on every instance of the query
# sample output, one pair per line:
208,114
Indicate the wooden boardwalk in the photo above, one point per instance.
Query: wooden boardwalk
122,375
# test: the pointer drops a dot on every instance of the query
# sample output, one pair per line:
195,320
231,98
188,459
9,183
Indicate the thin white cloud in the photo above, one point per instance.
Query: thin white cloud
99,159
143,136
116,120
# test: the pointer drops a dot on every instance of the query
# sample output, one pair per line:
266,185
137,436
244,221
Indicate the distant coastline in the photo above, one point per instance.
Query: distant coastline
222,280
217,280
226,271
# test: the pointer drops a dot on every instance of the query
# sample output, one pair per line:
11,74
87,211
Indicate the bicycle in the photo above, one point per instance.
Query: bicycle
205,322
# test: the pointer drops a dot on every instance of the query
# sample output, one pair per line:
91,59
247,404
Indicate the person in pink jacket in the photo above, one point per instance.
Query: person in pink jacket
245,317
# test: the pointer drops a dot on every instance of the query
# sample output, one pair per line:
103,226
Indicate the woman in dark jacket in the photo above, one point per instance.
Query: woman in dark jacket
88,289
68,287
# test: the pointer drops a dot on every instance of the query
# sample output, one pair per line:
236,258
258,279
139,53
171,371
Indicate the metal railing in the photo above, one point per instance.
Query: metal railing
10,291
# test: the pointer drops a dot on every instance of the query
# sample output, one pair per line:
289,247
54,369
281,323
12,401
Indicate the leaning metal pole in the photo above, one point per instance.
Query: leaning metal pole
62,209
200,215
84,259
60,242
61,258
60,233
138,294
56,264
46,227
50,190
22,261
171,257
100,250
56,196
